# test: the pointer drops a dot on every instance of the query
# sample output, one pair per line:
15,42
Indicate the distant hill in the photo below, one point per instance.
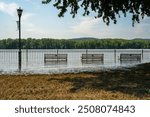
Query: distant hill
85,38
141,39
93,38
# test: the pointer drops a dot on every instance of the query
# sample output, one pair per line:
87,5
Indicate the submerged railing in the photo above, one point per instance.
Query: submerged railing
33,58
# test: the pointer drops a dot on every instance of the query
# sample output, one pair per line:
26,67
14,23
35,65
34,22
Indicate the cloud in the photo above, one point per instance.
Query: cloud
9,8
85,26
142,29
97,28
27,23
29,28
27,16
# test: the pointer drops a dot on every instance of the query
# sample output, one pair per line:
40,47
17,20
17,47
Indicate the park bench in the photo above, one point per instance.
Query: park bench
55,57
99,57
92,58
131,57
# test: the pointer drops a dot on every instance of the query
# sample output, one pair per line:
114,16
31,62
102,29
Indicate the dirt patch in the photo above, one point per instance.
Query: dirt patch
132,83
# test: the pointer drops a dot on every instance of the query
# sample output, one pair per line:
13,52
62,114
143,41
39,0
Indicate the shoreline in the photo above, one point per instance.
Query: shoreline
77,70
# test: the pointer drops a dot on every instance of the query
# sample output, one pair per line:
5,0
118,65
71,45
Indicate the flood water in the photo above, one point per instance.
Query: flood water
33,60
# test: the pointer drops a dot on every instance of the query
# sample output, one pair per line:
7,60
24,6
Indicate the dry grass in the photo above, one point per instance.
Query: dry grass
131,84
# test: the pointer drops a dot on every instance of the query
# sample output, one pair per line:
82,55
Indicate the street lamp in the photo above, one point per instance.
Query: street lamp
19,11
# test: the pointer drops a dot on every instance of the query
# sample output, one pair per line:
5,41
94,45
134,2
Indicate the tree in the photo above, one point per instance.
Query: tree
107,9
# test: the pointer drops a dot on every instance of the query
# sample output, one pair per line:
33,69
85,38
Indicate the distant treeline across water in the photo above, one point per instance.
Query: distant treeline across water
47,43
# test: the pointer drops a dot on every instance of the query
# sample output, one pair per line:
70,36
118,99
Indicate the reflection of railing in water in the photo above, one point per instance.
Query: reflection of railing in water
49,63
96,62
127,62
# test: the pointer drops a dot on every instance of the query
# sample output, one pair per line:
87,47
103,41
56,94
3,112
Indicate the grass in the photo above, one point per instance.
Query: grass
121,84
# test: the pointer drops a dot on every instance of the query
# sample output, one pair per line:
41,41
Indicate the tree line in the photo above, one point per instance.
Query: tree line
47,43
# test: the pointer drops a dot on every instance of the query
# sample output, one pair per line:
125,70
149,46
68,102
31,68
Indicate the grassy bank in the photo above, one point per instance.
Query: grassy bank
133,83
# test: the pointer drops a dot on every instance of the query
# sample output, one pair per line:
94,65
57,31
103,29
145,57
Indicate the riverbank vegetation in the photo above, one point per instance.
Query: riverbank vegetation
46,43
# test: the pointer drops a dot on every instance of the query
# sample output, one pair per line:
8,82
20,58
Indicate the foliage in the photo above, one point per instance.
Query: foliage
46,43
107,9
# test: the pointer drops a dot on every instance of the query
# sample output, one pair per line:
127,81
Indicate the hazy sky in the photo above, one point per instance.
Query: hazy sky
39,21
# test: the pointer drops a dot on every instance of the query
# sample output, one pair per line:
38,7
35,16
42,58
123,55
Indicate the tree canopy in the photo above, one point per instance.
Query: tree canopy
108,10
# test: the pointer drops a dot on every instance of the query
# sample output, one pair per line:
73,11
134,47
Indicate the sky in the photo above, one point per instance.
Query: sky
42,21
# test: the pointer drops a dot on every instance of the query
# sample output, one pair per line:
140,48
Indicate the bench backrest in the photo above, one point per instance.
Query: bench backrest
130,57
92,56
55,56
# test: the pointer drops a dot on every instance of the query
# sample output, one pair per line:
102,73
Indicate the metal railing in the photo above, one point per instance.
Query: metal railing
34,58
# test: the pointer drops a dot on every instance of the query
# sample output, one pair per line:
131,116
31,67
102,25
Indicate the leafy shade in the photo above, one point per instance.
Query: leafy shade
107,9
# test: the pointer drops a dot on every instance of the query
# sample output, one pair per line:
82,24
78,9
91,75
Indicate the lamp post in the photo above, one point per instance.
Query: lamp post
19,11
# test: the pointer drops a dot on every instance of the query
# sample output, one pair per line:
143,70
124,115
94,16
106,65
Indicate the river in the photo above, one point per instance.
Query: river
33,60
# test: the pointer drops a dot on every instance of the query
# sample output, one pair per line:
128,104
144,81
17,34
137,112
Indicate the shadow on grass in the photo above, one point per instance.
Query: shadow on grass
135,81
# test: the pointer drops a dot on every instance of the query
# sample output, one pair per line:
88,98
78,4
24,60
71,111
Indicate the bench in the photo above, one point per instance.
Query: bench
55,57
92,58
98,57
130,57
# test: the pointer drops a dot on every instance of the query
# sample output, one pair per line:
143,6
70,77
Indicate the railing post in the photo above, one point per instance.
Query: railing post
115,56
57,56
142,53
26,57
86,54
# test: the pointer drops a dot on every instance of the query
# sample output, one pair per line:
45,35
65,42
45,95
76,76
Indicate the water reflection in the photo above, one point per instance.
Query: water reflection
128,62
92,62
56,62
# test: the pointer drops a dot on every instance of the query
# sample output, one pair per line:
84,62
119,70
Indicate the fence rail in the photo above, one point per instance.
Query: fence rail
75,57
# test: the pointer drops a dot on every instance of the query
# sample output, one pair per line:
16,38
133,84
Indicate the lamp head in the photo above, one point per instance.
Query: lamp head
19,11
